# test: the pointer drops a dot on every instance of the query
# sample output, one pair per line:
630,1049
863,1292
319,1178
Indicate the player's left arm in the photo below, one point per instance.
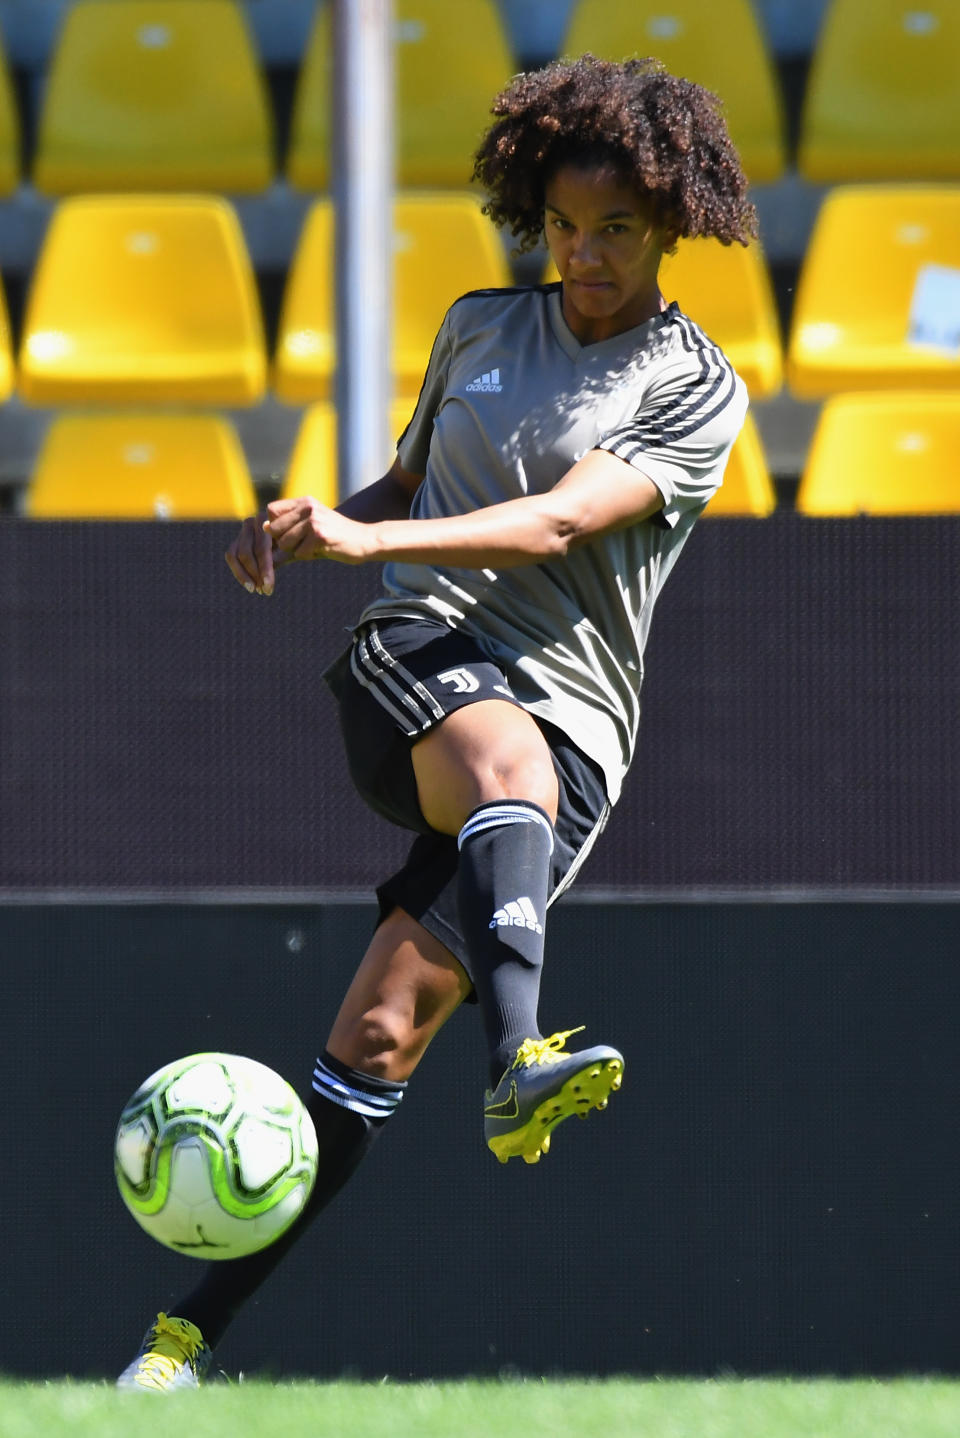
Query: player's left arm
251,557
599,493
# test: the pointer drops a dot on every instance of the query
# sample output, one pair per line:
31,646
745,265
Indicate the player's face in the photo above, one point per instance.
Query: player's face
606,248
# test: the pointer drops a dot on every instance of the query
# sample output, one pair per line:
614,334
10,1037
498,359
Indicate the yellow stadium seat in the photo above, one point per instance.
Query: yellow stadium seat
155,95
727,290
450,61
893,453
719,45
9,130
747,488
143,298
883,93
313,462
7,366
873,253
443,246
140,466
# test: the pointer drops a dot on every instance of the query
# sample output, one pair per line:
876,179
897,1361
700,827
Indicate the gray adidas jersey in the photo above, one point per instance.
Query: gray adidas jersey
510,401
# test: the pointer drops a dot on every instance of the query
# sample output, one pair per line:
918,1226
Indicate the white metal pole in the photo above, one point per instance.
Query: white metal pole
362,178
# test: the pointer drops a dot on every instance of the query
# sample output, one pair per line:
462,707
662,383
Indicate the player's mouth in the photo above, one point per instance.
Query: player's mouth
587,291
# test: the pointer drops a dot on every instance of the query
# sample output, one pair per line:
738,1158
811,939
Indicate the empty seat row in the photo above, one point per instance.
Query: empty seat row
444,87
169,311
171,94
871,453
878,295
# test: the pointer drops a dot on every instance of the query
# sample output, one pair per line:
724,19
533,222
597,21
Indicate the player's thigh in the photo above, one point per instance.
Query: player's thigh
406,987
482,752
400,689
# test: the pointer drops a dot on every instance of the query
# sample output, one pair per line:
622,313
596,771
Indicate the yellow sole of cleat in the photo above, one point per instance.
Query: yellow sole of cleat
589,1089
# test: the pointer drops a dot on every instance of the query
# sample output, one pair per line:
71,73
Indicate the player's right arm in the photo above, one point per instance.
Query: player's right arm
252,559
387,498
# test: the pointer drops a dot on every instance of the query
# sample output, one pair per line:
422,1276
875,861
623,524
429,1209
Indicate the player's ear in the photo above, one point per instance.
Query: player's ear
669,235
670,229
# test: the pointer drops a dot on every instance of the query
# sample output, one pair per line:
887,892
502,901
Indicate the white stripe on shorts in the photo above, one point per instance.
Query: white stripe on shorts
398,691
402,705
581,855
358,658
404,675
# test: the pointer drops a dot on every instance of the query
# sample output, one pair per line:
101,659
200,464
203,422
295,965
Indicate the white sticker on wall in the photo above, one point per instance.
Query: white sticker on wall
935,309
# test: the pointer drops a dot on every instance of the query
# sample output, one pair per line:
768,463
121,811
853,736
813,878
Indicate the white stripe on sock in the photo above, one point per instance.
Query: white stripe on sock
496,816
370,1105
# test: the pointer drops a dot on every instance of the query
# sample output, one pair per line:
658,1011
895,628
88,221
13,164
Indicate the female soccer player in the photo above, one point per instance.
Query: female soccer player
566,439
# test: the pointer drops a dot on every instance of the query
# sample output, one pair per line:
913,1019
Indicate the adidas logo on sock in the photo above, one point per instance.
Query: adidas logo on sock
518,914
486,383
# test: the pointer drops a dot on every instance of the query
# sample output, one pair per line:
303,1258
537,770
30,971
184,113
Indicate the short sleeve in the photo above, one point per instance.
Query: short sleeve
413,446
683,432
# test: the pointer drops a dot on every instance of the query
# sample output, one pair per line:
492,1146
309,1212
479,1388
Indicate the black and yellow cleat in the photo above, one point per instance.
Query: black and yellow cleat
173,1355
543,1086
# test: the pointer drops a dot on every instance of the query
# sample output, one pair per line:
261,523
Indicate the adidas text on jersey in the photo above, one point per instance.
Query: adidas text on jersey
486,384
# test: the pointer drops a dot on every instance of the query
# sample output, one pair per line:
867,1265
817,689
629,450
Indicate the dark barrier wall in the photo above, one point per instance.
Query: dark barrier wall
161,729
777,1187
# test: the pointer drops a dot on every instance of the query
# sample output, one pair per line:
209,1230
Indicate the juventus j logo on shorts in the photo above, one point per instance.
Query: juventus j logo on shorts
462,680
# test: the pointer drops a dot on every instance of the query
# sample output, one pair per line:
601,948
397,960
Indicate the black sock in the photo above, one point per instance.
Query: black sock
503,884
348,1110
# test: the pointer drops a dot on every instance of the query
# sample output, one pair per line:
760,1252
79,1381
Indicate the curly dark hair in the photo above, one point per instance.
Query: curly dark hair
665,136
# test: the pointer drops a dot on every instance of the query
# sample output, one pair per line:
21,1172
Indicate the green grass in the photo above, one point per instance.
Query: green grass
615,1408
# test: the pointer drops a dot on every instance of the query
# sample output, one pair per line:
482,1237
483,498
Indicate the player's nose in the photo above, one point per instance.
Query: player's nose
583,250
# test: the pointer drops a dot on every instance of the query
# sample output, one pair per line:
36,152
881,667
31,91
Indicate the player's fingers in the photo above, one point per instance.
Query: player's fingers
289,521
279,507
296,537
250,559
282,516
263,551
240,558
293,534
235,567
309,547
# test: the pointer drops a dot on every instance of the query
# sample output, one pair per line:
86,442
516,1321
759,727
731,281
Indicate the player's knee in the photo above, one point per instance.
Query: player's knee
380,1037
528,775
373,1041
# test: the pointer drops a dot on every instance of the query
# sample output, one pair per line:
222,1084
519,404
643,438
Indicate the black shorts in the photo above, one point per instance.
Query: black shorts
398,679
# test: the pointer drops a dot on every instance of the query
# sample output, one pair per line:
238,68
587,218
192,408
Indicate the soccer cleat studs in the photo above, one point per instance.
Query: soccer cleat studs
543,1086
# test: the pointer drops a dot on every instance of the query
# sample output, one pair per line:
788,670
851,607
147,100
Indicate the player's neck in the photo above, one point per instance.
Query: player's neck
592,328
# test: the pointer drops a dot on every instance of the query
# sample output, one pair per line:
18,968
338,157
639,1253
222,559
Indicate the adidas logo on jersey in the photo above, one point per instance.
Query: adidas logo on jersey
518,914
486,383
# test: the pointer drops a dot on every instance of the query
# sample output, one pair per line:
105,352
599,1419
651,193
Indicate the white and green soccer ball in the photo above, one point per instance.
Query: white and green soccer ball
215,1155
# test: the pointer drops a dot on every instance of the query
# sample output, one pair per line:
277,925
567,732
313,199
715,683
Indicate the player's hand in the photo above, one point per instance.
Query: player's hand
306,529
250,557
